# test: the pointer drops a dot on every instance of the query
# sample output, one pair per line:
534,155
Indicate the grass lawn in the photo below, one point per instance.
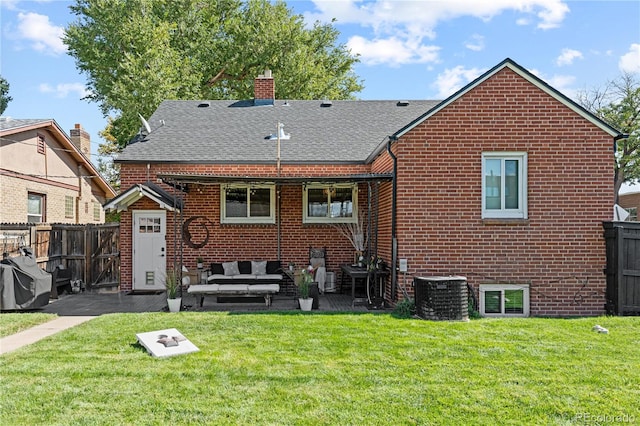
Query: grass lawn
11,323
286,368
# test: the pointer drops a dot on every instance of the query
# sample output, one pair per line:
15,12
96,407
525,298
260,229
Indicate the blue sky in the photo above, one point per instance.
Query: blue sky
408,49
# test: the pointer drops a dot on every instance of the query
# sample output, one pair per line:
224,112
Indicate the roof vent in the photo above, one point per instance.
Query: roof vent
326,104
204,105
402,103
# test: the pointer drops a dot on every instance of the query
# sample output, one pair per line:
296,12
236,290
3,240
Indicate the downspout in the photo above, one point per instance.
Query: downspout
394,242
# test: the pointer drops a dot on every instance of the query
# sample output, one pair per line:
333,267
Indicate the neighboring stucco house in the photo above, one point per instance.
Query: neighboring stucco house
506,182
47,176
630,201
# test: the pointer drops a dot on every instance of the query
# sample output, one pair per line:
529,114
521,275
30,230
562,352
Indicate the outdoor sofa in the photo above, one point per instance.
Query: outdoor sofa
246,278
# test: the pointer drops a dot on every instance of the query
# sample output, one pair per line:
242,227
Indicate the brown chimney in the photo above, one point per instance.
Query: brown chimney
81,140
264,89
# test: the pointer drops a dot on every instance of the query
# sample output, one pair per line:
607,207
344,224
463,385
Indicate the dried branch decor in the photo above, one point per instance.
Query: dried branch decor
354,232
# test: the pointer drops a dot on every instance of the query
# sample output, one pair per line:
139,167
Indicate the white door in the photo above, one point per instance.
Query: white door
149,249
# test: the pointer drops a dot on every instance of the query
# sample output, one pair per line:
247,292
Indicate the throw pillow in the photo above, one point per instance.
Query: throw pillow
259,268
273,267
230,268
244,266
217,269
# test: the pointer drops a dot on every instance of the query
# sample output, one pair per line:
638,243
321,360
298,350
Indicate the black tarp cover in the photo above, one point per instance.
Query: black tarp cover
23,284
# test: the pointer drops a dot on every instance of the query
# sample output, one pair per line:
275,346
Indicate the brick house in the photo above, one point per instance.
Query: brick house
506,182
47,176
630,201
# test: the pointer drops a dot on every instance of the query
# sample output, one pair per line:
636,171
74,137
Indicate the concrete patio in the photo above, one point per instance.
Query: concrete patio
93,304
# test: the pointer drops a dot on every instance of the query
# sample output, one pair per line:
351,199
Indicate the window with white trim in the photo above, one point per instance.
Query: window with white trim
330,203
36,208
504,185
247,204
504,300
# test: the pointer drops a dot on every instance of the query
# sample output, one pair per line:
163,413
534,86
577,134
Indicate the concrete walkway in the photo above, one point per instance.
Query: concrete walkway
38,332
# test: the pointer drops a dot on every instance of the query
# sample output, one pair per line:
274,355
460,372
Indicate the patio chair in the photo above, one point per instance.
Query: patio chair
318,260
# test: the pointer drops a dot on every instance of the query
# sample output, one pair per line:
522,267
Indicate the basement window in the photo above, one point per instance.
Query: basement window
504,300
247,204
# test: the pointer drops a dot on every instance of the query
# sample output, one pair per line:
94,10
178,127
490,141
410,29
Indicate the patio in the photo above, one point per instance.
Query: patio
92,303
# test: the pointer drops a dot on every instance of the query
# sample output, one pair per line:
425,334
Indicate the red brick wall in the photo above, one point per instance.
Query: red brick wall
559,251
239,242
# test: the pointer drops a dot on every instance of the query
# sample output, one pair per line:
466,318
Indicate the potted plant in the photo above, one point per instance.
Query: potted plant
200,262
172,286
306,278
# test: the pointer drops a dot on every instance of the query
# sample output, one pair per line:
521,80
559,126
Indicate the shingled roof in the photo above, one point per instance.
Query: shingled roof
238,131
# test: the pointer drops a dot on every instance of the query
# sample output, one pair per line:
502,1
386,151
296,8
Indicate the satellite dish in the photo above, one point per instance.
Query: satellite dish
145,124
619,214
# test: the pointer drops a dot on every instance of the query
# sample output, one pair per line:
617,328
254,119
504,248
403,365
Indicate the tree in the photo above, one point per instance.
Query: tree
136,53
618,103
4,95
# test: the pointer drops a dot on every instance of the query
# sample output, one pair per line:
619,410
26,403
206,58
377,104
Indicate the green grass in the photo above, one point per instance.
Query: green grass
11,323
283,368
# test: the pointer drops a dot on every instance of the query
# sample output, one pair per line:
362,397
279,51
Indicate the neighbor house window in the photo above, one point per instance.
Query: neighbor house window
330,203
633,214
68,207
36,204
504,300
504,185
247,204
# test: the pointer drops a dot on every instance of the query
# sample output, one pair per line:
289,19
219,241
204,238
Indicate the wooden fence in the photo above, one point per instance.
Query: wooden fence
91,252
623,267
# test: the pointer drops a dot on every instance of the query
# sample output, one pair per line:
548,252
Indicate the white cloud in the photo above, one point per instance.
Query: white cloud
63,90
392,51
475,43
9,4
630,61
451,80
423,16
43,35
561,83
406,25
567,56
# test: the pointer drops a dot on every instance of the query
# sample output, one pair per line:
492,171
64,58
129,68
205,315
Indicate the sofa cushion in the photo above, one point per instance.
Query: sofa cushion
244,266
231,268
233,288
265,277
202,288
264,288
218,277
244,277
217,269
273,267
258,268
